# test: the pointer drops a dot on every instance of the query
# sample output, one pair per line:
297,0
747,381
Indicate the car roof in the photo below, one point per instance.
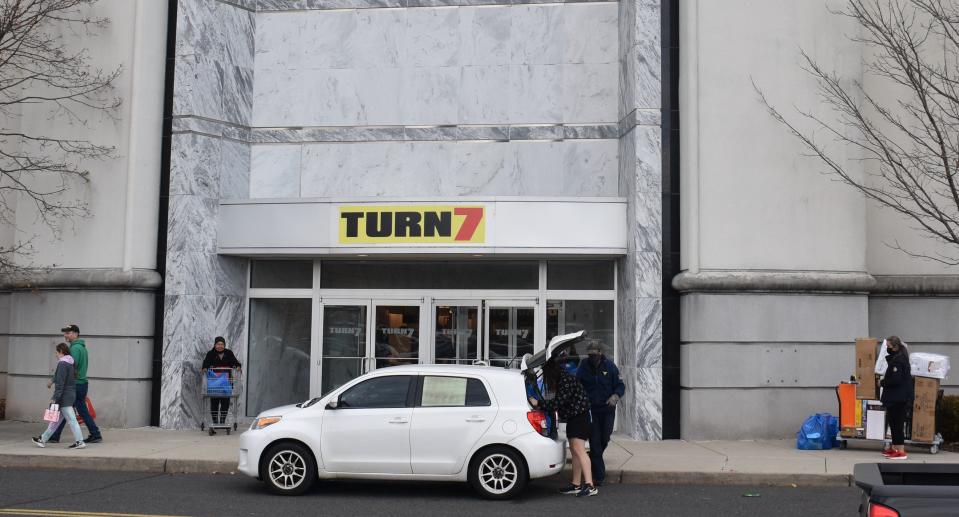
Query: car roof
485,371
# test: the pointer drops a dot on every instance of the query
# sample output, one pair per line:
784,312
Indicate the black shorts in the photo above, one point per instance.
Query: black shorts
578,427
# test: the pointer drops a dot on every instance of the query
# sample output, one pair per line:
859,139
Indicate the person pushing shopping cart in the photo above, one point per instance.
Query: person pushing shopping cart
221,371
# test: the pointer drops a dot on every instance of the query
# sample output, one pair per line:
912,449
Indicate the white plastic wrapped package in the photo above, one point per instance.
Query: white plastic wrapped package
929,365
881,363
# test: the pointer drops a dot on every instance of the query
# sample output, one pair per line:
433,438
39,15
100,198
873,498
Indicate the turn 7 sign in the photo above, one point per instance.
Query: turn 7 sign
412,224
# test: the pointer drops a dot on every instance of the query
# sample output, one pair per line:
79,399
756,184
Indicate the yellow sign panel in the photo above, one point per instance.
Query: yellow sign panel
415,224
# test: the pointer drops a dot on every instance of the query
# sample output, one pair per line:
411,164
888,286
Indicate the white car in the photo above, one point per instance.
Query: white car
417,422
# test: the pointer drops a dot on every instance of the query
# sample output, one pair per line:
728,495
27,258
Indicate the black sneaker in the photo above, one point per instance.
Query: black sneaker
93,439
588,491
570,489
38,442
78,445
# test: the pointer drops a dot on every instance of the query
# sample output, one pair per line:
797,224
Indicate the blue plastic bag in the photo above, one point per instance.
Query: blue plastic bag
818,432
218,383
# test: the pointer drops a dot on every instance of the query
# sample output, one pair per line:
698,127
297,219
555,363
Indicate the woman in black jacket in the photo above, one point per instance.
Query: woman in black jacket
566,395
897,393
220,359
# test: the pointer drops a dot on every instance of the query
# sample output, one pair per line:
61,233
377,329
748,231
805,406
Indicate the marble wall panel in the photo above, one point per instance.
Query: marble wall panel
441,65
198,87
275,171
534,168
649,404
486,36
234,167
195,165
189,273
480,99
192,224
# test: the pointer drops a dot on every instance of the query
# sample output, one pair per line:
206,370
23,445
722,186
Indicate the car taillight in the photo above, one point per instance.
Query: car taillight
878,510
538,420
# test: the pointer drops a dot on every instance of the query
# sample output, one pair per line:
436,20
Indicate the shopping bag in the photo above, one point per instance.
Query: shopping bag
93,412
52,413
218,383
818,432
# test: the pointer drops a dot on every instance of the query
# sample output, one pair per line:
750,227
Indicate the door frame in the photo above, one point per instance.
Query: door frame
456,302
539,332
369,359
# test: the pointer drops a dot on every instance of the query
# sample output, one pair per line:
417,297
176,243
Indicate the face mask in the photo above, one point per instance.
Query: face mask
595,359
890,351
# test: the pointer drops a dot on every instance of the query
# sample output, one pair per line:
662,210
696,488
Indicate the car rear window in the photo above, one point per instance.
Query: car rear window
453,392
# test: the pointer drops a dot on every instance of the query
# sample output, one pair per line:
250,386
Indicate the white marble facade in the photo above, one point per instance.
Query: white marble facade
445,98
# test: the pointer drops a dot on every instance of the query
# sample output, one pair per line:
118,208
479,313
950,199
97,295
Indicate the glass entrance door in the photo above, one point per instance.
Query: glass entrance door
359,336
456,336
345,343
510,331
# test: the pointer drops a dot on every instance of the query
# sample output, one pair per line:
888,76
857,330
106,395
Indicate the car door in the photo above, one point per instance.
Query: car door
452,413
369,430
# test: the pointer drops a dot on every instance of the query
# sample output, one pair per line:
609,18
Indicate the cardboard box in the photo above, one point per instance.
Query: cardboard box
866,351
924,409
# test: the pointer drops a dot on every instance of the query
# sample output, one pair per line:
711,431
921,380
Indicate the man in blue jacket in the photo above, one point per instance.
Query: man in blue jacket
601,379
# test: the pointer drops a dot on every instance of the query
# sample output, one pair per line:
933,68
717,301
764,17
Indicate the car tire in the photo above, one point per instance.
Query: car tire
498,473
288,469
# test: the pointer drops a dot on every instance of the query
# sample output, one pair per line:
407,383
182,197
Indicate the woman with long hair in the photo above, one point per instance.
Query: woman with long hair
897,393
64,394
565,395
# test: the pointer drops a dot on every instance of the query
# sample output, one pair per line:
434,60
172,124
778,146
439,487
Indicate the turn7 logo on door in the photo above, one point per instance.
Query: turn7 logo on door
412,224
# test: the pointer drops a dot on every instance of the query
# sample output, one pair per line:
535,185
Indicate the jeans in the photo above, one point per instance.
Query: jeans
896,419
67,416
81,406
601,430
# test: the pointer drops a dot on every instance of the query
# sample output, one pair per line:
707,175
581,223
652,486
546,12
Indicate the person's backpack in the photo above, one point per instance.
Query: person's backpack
818,432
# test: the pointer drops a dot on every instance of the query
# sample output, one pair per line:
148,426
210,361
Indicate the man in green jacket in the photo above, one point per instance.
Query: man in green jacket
78,350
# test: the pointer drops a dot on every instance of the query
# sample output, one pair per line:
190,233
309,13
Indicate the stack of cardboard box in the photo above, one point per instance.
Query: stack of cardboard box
865,417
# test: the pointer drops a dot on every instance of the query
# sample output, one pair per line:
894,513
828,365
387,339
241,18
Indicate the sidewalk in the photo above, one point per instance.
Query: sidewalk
766,462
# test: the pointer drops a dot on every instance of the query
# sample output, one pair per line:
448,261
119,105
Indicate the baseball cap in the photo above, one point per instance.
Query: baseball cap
71,328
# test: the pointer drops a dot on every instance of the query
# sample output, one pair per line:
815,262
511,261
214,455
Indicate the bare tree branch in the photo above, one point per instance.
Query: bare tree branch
913,144
40,70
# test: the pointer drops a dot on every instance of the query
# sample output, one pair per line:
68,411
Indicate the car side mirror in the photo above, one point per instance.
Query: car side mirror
333,403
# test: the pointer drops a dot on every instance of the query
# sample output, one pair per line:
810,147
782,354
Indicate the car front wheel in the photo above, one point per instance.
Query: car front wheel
288,469
498,473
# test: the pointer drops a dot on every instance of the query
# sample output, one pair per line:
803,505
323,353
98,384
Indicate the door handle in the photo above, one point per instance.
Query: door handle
399,420
475,418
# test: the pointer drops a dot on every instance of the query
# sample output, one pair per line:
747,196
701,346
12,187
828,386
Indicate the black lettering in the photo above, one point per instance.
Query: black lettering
379,225
438,223
407,224
352,223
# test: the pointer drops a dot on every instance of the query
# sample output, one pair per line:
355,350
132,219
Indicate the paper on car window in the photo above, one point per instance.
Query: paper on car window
444,391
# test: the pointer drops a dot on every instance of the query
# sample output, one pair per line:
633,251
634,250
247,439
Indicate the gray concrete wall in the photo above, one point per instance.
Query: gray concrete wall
118,328
755,364
927,324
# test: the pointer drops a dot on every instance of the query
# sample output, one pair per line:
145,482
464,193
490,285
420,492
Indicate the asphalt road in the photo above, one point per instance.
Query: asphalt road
64,492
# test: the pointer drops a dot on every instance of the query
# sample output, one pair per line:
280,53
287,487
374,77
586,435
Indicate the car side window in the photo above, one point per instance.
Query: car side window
453,392
379,392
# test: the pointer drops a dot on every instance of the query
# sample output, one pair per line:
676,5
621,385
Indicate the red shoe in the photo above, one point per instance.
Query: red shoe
887,452
899,455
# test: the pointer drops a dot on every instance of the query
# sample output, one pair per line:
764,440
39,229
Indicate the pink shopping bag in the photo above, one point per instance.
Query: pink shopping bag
52,413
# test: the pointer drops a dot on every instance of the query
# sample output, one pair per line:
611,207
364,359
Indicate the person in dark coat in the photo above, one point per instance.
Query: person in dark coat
64,394
897,394
220,358
600,378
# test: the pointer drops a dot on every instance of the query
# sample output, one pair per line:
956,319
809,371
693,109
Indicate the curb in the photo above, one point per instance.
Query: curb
145,465
735,478
195,466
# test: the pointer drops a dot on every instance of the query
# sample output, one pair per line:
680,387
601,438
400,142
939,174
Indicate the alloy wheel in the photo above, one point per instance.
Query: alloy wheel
287,469
498,473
